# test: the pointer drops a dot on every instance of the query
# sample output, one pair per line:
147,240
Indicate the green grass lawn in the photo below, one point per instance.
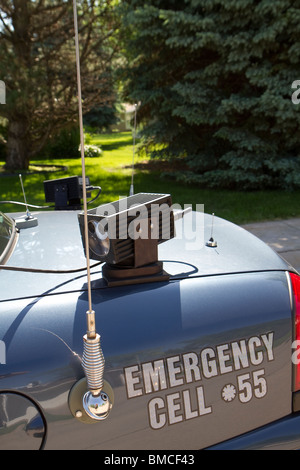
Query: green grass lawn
112,171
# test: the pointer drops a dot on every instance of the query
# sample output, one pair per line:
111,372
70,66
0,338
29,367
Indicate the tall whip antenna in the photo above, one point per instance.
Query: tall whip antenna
82,152
131,191
96,402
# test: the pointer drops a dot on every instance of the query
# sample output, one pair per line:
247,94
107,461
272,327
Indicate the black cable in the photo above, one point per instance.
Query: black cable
92,188
89,188
46,271
23,204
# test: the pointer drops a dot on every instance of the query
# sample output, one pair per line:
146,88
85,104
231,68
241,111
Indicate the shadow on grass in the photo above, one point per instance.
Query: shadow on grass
38,169
113,145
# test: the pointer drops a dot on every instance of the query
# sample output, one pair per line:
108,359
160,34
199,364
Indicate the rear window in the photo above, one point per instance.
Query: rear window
7,237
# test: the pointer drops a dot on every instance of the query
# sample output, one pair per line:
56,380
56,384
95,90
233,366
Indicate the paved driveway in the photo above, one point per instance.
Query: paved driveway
282,235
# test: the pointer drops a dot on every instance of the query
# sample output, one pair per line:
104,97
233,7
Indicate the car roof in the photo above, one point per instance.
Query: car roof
55,244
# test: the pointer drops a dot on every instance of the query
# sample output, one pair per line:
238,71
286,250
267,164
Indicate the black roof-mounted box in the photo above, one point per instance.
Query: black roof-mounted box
66,193
125,234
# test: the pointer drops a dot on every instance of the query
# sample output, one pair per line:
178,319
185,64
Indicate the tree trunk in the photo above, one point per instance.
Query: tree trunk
17,151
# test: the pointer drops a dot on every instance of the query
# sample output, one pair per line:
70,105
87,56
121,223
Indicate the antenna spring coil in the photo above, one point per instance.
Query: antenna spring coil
93,363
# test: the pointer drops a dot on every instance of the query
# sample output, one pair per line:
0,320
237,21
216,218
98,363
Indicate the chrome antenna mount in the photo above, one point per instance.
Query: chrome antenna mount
212,242
27,220
96,402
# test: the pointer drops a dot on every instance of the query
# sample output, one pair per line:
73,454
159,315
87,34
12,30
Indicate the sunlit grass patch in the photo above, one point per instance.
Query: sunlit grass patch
112,171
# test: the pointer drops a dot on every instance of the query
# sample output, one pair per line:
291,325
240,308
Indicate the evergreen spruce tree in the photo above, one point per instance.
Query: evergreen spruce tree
214,78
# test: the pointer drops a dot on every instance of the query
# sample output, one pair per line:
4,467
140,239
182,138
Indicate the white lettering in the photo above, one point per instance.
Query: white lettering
189,414
223,358
161,212
173,407
173,371
157,421
209,367
196,236
191,368
138,227
268,341
122,225
240,356
115,460
154,376
296,354
131,381
295,98
256,357
176,408
203,410
2,352
2,92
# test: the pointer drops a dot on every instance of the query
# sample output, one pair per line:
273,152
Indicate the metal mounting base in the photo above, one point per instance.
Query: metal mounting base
26,222
120,276
76,395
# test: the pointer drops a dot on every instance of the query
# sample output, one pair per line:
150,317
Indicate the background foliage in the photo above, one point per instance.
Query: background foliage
37,51
112,171
214,81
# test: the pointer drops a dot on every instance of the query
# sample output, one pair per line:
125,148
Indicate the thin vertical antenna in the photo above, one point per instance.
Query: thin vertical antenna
24,195
28,220
96,401
212,242
212,226
82,157
131,192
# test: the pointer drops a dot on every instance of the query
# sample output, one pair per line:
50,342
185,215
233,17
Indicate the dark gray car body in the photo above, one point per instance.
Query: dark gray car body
199,361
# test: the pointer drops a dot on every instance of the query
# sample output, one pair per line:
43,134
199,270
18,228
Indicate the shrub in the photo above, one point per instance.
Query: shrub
91,151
